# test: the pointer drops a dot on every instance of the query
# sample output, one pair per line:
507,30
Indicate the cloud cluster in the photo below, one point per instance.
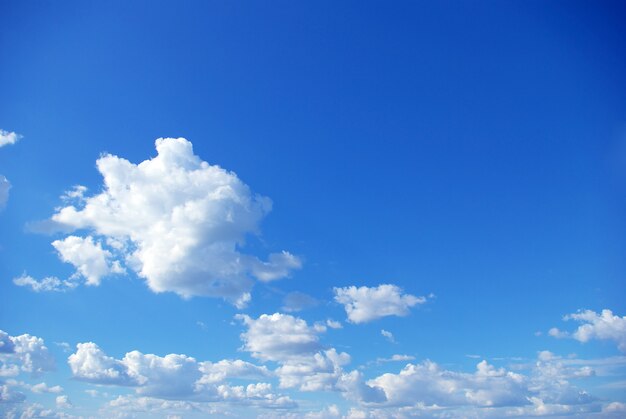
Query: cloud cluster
603,326
173,377
175,220
364,304
304,363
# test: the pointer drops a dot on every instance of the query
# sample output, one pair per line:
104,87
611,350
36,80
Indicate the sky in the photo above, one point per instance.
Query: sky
351,209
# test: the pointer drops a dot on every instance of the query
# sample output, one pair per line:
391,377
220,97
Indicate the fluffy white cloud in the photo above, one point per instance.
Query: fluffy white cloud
45,388
225,369
24,353
8,137
63,402
279,337
303,362
88,257
604,326
365,304
5,185
48,284
174,377
178,222
428,384
89,363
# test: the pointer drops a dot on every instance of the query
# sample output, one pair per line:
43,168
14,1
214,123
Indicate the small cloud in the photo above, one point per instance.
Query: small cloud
8,138
556,333
333,324
388,335
473,356
65,347
202,325
298,301
63,402
364,304
47,284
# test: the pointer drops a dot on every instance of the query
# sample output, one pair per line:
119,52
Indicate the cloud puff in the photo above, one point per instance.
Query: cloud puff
8,138
365,304
91,261
603,326
388,335
279,337
5,185
24,353
89,363
175,220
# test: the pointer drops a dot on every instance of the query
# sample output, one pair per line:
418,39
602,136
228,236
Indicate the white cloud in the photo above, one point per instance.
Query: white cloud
225,369
603,326
427,383
279,337
5,185
63,402
365,304
174,377
388,335
8,138
334,324
45,388
303,362
47,284
30,354
88,257
179,223
89,363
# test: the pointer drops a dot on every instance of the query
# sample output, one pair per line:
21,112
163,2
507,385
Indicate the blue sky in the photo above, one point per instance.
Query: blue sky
353,209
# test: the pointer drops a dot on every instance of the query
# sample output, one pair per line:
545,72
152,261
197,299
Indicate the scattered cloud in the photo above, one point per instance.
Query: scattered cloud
388,335
279,337
44,388
175,220
365,304
8,137
601,326
334,324
48,284
5,185
298,301
63,402
24,353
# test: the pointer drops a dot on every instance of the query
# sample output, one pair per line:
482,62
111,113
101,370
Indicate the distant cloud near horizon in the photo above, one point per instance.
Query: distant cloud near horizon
602,326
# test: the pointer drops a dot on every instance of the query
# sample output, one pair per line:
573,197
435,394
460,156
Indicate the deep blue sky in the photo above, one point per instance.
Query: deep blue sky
474,150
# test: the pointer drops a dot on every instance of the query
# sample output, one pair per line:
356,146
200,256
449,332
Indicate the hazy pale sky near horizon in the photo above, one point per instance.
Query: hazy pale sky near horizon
324,209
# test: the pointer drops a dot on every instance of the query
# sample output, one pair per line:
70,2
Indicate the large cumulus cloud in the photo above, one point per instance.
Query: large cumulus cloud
175,220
